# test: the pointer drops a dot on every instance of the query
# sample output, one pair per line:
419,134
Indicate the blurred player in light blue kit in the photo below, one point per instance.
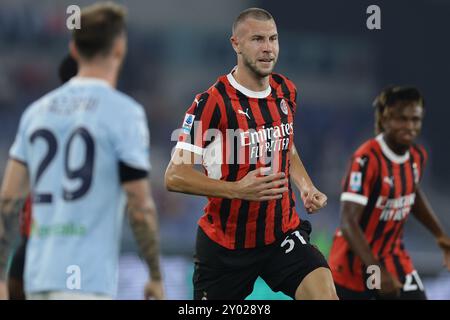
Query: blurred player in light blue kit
67,69
82,151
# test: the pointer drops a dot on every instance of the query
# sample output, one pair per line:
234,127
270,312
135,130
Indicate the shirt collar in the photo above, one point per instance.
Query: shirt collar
391,155
88,80
249,93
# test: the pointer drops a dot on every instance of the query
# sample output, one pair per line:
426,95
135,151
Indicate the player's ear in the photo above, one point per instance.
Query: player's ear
74,51
235,44
385,115
120,47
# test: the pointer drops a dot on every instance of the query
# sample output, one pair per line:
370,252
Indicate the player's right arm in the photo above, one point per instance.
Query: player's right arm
354,200
181,175
144,224
131,139
350,215
14,190
12,197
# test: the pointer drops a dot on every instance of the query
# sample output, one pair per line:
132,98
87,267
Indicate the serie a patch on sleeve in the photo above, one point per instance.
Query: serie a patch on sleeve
355,181
188,122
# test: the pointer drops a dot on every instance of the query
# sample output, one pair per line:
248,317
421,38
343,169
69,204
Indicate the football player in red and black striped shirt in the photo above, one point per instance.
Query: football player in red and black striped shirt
241,130
381,189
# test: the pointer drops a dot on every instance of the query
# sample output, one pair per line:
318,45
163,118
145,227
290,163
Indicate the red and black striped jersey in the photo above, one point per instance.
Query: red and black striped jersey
237,130
385,183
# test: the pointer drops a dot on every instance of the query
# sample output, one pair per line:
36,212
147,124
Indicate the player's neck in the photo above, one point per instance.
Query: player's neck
249,80
397,149
108,74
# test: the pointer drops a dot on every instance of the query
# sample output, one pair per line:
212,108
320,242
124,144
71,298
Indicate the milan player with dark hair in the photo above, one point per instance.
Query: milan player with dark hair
381,189
241,130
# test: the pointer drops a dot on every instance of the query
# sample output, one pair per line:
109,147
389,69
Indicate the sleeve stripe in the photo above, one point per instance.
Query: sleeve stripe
364,168
189,147
353,197
419,150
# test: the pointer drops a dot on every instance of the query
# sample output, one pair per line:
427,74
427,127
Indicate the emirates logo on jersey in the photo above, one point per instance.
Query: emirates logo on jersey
395,209
284,106
267,140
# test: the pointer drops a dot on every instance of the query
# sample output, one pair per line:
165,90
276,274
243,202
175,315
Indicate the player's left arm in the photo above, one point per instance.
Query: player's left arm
144,224
132,143
12,197
313,199
423,212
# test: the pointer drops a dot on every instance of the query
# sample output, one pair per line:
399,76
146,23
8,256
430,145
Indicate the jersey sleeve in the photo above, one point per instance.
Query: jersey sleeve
18,148
294,94
132,139
289,90
358,183
423,157
200,122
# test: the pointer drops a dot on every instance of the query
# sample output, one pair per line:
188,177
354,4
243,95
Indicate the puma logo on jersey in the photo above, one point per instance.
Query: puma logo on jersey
244,113
389,180
197,101
361,161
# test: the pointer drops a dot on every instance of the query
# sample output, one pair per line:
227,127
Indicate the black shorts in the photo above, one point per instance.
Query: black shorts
221,273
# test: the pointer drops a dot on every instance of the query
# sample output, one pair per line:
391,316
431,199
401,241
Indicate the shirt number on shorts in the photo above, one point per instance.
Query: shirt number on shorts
290,242
409,282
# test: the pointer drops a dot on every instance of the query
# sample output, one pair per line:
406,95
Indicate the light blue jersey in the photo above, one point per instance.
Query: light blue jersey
72,141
